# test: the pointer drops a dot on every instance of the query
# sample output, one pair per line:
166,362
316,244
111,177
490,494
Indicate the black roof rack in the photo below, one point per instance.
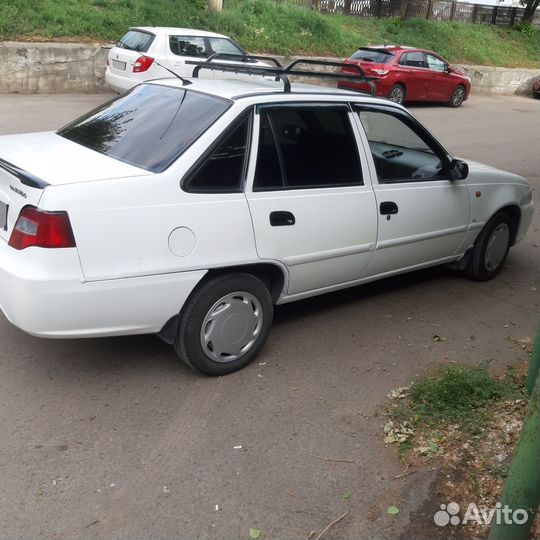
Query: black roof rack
283,73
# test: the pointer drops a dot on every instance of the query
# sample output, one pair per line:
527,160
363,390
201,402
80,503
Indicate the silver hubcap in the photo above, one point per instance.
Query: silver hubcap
458,96
396,95
497,246
231,327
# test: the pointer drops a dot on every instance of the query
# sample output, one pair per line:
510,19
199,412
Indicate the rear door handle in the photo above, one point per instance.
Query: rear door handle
388,207
282,218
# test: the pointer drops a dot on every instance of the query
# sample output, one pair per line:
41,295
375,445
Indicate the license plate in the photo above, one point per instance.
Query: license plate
119,65
3,216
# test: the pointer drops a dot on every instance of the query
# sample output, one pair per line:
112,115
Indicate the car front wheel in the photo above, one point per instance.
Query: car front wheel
458,97
224,324
491,248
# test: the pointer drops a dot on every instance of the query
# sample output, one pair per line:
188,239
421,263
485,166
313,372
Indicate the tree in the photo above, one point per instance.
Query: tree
215,5
530,9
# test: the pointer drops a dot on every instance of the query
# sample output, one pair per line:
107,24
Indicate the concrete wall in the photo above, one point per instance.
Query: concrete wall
79,68
47,68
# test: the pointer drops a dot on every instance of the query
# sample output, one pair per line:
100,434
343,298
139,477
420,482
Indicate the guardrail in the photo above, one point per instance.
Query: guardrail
437,10
522,487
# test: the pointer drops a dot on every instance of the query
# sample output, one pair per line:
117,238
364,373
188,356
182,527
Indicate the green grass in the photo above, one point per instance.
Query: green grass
460,395
264,26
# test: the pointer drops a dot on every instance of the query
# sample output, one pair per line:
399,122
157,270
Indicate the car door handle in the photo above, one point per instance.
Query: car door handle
281,219
388,207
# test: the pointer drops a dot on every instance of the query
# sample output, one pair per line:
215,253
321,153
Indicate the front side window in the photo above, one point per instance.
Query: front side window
435,63
224,46
399,153
188,46
413,59
223,170
306,147
149,127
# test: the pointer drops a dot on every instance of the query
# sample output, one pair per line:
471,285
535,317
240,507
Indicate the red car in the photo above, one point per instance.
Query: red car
408,74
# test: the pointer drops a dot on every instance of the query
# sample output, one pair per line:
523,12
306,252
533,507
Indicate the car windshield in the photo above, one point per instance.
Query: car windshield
373,55
149,127
136,40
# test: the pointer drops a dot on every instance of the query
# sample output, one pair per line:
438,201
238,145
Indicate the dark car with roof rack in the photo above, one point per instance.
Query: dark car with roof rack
408,74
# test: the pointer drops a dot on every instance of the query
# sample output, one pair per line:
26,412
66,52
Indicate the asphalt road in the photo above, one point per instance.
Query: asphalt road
114,438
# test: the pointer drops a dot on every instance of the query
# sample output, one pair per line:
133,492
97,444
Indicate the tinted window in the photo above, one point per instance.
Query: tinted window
399,153
223,170
149,127
136,40
188,46
268,170
413,59
435,63
315,144
224,46
373,55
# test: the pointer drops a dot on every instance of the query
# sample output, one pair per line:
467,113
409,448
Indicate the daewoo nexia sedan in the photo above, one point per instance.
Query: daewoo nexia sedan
407,74
190,208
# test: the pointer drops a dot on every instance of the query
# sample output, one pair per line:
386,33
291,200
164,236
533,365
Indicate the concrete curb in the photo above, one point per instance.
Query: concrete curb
45,68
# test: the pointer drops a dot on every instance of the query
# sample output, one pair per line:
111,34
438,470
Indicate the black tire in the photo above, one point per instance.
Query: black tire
397,94
477,267
458,97
188,343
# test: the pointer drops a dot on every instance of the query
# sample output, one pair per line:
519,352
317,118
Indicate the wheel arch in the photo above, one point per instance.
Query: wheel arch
515,213
273,275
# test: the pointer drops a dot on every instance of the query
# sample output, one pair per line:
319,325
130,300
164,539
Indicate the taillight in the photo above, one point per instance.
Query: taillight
38,228
142,64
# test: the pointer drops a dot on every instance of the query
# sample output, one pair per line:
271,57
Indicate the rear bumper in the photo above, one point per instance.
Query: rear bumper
380,88
119,83
41,292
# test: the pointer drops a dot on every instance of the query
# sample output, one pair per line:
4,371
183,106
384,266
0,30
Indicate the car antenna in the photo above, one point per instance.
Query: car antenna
185,82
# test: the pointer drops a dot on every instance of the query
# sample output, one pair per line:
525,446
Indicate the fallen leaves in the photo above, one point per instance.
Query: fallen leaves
397,432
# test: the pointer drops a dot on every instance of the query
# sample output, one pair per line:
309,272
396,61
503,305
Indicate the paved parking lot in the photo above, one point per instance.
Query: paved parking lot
114,438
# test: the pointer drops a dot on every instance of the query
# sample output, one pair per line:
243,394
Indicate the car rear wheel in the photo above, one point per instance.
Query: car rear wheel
491,248
397,94
458,97
224,324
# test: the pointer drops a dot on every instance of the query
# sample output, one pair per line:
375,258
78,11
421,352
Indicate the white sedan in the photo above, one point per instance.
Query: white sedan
146,53
190,210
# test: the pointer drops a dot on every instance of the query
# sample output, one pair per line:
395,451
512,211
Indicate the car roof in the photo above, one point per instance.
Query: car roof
236,89
170,30
396,48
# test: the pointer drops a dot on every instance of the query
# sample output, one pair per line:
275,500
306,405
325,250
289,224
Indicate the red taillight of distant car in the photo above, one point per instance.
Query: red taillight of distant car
142,64
43,229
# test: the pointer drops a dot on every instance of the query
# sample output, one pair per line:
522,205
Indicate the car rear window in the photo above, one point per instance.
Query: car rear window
136,41
150,127
373,55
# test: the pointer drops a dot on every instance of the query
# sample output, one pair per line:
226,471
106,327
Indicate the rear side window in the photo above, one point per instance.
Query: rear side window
150,127
223,170
306,147
188,46
136,40
413,59
373,55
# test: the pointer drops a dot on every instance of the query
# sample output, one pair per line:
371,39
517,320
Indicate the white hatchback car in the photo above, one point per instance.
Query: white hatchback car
190,209
146,53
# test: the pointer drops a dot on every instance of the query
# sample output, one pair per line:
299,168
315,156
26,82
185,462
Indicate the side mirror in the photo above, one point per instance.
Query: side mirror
446,68
459,170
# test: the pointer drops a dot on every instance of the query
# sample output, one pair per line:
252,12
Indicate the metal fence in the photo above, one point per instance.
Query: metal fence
437,10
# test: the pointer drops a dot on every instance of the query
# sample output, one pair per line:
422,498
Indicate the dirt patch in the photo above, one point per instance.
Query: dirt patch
471,459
